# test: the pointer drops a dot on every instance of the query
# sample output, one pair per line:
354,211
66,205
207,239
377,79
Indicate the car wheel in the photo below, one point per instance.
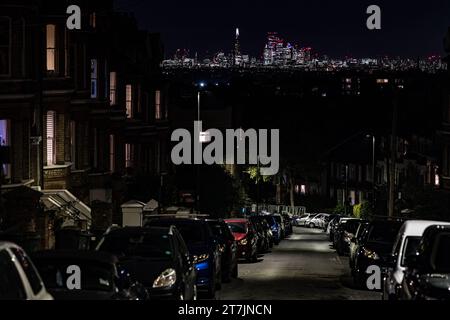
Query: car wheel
234,272
311,225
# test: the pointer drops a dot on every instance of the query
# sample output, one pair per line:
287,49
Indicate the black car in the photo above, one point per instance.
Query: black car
332,226
345,233
374,248
327,221
157,257
203,248
86,275
427,276
227,247
263,242
355,241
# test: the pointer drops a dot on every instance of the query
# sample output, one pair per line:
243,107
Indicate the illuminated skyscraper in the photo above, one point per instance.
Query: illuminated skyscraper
237,50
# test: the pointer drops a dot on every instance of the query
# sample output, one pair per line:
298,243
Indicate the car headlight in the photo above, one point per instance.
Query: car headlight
166,279
201,258
243,242
371,254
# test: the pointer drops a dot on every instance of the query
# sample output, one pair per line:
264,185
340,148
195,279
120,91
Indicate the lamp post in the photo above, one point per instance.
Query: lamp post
373,168
197,198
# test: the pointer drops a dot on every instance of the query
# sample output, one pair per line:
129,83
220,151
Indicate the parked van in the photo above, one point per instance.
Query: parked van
406,244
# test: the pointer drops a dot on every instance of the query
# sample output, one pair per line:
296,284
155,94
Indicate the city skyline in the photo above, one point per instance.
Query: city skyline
335,29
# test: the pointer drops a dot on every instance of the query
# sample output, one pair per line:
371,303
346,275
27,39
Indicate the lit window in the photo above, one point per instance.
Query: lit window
112,88
5,45
437,181
128,155
382,81
5,141
94,75
111,153
93,20
129,100
303,189
51,152
158,105
51,47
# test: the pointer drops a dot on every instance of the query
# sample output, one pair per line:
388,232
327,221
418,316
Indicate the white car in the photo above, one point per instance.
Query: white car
317,221
408,239
19,279
302,220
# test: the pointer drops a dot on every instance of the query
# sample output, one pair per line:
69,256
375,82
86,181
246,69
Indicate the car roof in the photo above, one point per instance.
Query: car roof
77,255
141,230
417,227
6,244
240,220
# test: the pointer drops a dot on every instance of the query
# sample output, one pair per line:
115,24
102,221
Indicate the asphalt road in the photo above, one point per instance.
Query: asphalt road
302,267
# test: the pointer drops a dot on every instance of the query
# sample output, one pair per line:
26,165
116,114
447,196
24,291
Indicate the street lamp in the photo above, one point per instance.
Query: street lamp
373,167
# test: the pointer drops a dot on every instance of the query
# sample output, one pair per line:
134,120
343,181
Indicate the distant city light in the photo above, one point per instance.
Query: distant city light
202,84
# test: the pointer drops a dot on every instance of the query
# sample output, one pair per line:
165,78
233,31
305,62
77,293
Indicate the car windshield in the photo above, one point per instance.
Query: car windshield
192,232
142,245
383,233
94,276
351,226
409,248
277,218
238,227
441,256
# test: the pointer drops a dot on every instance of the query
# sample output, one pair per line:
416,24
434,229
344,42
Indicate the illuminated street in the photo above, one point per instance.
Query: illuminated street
302,267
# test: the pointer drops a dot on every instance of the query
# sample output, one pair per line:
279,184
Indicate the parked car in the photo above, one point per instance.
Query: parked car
227,248
327,221
19,278
405,246
275,228
266,228
355,241
317,221
158,257
247,238
374,248
338,230
263,243
101,277
203,248
287,224
345,233
331,226
280,220
302,219
427,275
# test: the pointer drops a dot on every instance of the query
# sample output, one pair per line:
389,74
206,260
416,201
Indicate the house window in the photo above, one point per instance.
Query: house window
5,141
112,88
93,20
129,100
73,147
158,105
111,153
5,45
51,47
51,152
94,76
128,155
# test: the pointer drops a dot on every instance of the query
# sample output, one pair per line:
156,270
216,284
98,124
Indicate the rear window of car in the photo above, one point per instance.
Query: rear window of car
441,254
144,245
409,248
11,287
30,271
383,232
94,276
192,232
238,227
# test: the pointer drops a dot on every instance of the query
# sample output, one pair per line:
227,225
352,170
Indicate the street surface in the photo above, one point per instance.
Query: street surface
303,267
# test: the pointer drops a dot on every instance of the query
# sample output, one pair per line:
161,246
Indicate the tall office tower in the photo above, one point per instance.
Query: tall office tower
237,50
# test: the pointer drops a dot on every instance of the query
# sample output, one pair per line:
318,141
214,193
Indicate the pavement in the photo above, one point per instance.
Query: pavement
303,267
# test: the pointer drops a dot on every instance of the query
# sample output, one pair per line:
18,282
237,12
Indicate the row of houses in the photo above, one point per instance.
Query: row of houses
82,112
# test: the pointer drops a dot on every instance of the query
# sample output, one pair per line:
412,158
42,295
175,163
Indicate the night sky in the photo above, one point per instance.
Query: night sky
333,27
